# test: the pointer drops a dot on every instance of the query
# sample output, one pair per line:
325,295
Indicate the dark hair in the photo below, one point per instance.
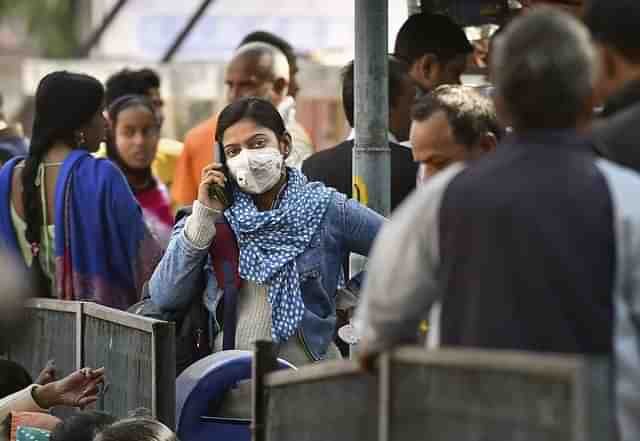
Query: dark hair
398,72
82,426
114,110
64,103
136,429
150,77
258,110
130,82
469,114
273,40
13,378
428,33
615,23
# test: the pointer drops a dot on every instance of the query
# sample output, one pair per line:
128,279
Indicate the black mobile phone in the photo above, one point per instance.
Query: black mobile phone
223,194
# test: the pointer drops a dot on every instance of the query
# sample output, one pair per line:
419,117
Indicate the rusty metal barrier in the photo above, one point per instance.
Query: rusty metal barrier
137,352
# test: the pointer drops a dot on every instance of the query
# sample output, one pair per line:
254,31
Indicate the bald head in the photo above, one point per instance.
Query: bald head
260,70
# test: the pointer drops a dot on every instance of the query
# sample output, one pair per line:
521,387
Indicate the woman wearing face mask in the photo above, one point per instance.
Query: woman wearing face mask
273,256
72,218
132,143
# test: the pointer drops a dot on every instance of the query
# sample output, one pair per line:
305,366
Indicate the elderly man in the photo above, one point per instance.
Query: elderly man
527,248
257,69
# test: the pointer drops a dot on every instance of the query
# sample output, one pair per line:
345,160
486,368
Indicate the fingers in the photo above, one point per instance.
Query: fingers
83,402
94,373
215,178
211,167
90,373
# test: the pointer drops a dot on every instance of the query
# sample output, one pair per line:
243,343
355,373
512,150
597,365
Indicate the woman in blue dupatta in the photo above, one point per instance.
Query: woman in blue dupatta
72,217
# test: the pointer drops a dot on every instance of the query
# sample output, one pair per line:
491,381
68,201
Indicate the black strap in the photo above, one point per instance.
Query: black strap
230,299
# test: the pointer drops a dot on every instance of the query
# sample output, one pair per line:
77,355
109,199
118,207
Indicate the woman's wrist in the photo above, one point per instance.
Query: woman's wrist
200,226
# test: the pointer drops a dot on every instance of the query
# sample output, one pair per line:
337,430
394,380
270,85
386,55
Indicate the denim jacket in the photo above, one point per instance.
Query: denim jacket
347,227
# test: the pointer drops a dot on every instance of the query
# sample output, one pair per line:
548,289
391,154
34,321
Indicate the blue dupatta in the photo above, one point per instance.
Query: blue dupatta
104,252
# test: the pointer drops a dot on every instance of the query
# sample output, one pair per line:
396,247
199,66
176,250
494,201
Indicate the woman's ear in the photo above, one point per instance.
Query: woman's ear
285,145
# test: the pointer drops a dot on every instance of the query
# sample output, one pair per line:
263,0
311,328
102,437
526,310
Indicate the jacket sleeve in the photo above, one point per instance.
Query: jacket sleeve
360,226
180,274
21,401
401,283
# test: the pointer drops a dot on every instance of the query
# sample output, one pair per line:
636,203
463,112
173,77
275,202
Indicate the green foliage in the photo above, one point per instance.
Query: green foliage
51,24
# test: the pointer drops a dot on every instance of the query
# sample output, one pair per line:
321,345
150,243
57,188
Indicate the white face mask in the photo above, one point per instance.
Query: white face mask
257,170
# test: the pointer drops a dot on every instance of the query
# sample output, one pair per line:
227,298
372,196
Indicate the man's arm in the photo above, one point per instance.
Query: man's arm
401,282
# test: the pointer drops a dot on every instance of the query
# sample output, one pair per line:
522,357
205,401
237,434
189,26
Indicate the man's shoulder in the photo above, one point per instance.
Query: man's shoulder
327,156
204,130
401,153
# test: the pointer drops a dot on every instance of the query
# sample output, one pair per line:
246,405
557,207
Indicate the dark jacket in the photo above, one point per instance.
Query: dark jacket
617,137
333,167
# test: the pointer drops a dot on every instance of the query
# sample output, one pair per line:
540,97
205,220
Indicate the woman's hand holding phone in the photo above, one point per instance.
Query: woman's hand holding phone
211,190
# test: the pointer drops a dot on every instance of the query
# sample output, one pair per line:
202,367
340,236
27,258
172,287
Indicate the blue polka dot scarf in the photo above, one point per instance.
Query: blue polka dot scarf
270,241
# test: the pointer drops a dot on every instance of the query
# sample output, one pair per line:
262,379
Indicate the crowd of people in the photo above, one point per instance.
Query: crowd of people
514,221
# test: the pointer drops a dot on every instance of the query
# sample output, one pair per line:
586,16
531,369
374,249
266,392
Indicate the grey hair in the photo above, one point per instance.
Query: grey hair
545,68
279,66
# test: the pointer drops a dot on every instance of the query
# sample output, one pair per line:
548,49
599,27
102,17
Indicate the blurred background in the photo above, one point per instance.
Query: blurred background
100,37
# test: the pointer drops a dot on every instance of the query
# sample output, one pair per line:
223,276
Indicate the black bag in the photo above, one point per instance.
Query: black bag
192,334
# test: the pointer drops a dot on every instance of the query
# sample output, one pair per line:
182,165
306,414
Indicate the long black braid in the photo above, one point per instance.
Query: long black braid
65,102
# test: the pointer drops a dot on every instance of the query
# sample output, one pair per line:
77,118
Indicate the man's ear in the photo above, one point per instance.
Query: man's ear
430,66
423,69
281,86
286,145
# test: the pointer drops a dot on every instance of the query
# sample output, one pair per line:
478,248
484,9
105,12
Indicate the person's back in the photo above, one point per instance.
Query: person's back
526,236
527,250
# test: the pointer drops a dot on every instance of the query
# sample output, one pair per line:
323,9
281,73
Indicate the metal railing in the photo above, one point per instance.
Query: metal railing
446,395
137,352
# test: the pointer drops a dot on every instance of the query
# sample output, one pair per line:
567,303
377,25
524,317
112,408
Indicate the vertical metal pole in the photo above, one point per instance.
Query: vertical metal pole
414,7
264,361
371,153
